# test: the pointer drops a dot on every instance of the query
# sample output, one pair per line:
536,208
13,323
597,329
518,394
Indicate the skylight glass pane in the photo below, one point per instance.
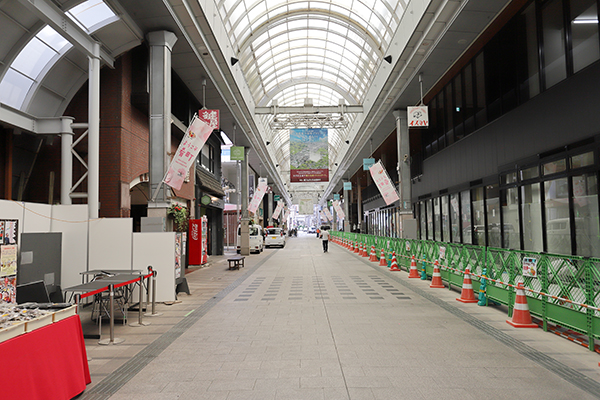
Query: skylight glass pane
14,88
33,58
90,13
52,38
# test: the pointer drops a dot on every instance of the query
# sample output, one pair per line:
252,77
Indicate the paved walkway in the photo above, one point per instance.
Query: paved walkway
297,323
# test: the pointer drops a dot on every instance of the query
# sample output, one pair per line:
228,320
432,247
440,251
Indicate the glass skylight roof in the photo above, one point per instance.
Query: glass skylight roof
45,48
325,50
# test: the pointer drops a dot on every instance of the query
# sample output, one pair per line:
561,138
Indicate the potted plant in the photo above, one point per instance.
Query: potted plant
180,216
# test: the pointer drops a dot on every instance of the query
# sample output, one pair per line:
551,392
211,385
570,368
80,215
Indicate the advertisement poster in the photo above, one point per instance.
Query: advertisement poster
10,231
328,214
178,243
204,259
258,196
309,155
8,260
8,289
277,210
195,137
195,227
442,253
338,209
530,266
383,183
306,206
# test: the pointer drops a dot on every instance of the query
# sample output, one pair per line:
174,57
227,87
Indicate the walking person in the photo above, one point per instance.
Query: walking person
325,238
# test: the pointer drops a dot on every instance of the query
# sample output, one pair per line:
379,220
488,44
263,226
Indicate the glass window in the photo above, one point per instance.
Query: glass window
511,177
458,107
437,220
558,226
478,217
465,208
532,217
454,218
584,33
493,216
449,115
480,114
510,216
469,106
423,233
555,167
445,220
582,160
430,219
529,78
555,67
529,173
585,205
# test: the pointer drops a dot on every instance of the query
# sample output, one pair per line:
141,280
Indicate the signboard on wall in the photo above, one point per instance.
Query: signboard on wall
309,155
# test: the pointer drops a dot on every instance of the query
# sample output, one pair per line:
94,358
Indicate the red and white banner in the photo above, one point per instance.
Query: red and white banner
287,215
328,214
259,192
196,135
277,210
211,117
384,183
322,215
338,210
418,117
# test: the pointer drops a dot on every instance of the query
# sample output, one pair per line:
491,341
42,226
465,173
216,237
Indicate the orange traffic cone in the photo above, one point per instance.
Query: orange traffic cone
382,261
436,278
364,253
467,295
373,256
357,248
521,317
394,263
352,246
413,272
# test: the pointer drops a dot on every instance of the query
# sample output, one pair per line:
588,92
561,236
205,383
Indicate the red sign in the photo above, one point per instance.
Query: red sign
195,242
211,117
309,175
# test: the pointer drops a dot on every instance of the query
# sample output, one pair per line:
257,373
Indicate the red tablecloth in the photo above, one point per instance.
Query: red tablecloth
48,363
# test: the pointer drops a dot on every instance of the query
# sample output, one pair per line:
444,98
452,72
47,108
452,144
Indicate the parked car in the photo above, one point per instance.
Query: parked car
256,238
275,237
312,229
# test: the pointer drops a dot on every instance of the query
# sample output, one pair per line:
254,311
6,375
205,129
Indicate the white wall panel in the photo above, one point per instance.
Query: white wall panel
72,221
110,243
158,250
36,217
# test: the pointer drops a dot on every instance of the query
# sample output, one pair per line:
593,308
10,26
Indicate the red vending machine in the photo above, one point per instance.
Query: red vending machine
198,241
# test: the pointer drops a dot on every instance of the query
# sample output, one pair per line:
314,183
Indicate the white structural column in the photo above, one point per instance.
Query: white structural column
94,134
245,220
66,167
161,45
347,194
403,159
270,223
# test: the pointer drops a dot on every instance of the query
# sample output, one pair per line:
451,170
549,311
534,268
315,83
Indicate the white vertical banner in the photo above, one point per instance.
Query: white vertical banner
384,183
338,209
196,135
287,215
322,215
277,210
328,214
258,196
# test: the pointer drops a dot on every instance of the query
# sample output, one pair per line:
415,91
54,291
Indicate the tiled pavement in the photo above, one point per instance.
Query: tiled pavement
297,323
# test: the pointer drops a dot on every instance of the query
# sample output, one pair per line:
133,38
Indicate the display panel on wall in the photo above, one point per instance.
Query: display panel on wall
8,260
309,155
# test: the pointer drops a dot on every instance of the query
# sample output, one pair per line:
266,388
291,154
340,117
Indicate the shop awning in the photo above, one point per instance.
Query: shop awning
208,183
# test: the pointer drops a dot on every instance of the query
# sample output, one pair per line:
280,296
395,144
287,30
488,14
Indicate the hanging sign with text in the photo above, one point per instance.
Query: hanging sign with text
418,117
384,184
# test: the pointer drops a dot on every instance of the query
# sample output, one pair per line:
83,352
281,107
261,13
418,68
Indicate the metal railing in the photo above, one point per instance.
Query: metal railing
563,290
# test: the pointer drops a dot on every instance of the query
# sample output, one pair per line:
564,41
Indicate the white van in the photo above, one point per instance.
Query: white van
256,238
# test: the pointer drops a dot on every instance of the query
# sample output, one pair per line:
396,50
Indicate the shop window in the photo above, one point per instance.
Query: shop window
585,205
509,178
510,218
558,223
555,167
437,220
478,217
454,219
458,109
465,208
553,36
445,220
430,219
584,33
423,215
529,77
582,160
449,115
532,217
480,110
530,173
468,106
494,228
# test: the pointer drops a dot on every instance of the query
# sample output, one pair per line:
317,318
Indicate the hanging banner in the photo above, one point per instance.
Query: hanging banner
418,117
328,214
196,135
336,196
384,183
309,155
322,215
277,210
259,193
287,215
236,153
338,210
368,163
211,117
347,185
306,206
